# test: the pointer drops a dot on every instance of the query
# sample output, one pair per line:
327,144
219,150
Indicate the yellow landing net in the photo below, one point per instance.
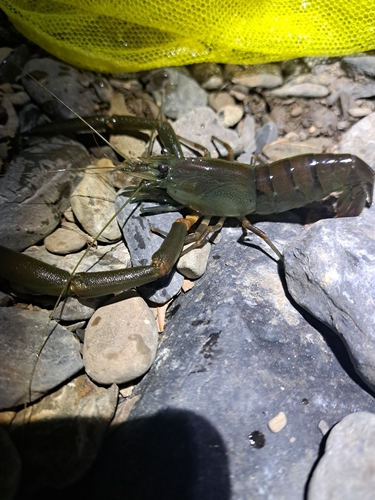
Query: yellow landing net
133,35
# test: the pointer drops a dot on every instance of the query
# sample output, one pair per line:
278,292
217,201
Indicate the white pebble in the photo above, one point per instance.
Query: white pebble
277,423
359,112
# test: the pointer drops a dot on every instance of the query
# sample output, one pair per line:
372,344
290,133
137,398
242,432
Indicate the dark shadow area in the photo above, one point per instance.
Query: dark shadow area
332,339
172,455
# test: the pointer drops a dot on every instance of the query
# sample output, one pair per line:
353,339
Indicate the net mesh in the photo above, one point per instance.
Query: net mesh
133,35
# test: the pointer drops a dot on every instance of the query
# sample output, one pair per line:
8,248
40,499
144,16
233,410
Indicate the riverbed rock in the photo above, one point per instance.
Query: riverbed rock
23,334
120,340
93,203
356,141
349,454
330,272
193,264
236,351
200,125
66,82
64,241
36,190
181,92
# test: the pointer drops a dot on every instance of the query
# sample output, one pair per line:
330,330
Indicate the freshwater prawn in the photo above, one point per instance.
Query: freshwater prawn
205,188
208,188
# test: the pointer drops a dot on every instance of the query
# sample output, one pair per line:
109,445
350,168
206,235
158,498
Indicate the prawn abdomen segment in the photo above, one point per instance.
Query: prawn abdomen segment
297,181
212,188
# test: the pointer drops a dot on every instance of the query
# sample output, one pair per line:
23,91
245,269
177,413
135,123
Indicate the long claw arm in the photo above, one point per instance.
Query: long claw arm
113,124
42,278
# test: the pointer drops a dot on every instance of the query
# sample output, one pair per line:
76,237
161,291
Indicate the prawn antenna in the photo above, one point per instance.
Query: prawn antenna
75,114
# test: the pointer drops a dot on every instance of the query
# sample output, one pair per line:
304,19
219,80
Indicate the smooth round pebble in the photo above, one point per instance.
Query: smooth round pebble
120,340
359,112
296,111
301,90
220,99
193,264
229,116
65,241
264,76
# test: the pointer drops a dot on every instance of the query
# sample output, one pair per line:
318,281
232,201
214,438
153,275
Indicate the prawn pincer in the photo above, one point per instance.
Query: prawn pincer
209,188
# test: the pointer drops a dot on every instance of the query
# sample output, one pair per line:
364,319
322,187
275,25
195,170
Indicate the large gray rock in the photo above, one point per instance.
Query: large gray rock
70,85
358,140
330,272
346,470
236,352
181,93
36,190
22,335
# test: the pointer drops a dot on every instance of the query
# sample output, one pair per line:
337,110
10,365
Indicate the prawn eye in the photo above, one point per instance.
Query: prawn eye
163,169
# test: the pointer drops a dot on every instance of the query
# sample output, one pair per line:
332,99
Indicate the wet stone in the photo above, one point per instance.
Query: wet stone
359,112
36,190
5,299
64,241
66,82
265,135
355,66
200,125
76,309
99,258
229,116
59,437
193,264
10,127
357,140
22,335
246,131
208,75
266,76
235,352
301,90
183,94
29,117
219,99
12,60
325,269
93,204
349,454
286,148
120,340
